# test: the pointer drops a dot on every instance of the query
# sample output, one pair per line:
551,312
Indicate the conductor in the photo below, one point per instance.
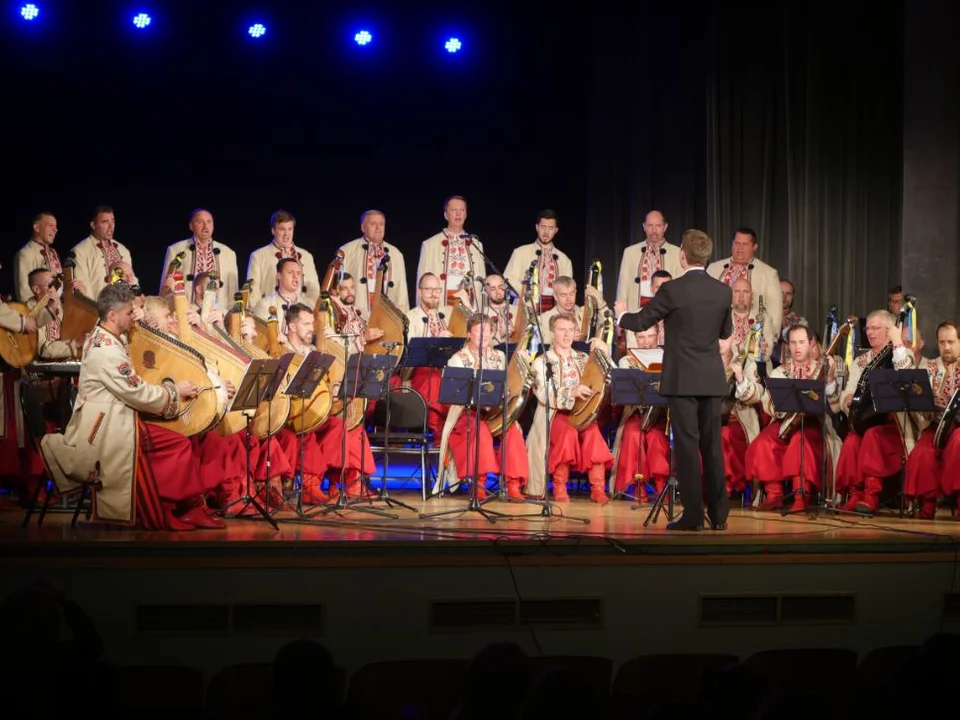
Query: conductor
695,309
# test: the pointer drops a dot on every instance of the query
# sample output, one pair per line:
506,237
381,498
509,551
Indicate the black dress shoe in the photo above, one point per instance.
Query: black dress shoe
718,526
682,525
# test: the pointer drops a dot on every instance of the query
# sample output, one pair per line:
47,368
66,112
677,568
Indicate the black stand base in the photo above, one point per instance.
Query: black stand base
383,497
666,495
474,505
360,505
245,501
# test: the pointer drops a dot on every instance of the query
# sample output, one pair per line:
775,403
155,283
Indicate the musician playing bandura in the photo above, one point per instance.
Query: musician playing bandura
927,474
565,294
286,293
551,262
771,460
462,433
557,378
742,426
429,319
49,344
864,462
138,483
741,313
641,452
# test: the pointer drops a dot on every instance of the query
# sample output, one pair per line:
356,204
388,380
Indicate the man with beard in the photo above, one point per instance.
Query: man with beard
551,262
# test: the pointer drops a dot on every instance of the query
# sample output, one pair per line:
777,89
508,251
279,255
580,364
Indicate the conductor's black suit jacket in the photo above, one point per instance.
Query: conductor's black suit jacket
695,309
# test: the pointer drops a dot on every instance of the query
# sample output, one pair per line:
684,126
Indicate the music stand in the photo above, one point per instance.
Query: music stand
368,377
460,387
907,391
431,353
807,397
309,376
260,384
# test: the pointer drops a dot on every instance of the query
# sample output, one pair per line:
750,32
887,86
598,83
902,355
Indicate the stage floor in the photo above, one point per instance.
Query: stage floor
355,536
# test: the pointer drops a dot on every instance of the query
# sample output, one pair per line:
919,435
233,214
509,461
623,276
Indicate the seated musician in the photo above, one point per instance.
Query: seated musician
866,461
930,471
557,378
286,293
771,460
461,433
741,427
222,459
565,295
49,344
640,454
501,308
138,479
656,282
355,325
325,450
429,319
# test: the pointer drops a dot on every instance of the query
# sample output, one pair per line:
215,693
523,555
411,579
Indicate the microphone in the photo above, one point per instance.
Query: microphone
902,316
468,236
909,299
832,313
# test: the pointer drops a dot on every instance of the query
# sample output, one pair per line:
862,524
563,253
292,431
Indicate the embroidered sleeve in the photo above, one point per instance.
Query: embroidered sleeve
115,372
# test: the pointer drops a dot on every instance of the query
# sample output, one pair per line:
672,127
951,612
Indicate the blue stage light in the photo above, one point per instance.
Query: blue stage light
141,21
363,38
29,11
453,45
257,31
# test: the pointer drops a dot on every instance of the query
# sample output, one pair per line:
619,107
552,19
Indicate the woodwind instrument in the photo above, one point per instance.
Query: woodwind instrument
387,317
594,279
19,349
788,424
596,376
461,313
80,314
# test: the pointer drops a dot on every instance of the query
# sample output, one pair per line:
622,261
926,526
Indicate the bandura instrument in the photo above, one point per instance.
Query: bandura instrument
525,316
729,400
519,383
305,415
947,421
596,376
387,317
159,356
19,349
80,315
327,313
461,313
589,321
789,423
862,414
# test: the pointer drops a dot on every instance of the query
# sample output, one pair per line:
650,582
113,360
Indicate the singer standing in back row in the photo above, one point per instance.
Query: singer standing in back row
695,309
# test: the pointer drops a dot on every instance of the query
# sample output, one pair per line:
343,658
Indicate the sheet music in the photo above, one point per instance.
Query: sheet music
650,360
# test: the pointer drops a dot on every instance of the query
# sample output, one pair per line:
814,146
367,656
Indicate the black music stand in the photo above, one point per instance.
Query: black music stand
431,353
368,377
310,374
807,397
895,391
260,384
471,390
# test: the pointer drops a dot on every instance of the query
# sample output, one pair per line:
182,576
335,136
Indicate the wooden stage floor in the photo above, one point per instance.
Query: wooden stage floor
361,537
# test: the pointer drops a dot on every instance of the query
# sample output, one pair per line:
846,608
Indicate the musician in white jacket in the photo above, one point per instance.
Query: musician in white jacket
362,258
203,254
551,262
262,267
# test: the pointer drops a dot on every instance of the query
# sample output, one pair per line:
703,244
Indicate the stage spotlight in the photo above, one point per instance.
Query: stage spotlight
453,45
257,31
141,21
29,11
363,38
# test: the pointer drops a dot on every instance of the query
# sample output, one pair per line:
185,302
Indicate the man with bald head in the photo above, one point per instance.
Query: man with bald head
203,254
764,279
641,260
741,313
362,257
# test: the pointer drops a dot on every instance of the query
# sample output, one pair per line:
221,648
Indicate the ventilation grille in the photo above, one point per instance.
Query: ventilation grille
573,614
725,610
187,620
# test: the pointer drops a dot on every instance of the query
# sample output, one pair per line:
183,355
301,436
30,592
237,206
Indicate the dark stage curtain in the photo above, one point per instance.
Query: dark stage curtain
785,117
